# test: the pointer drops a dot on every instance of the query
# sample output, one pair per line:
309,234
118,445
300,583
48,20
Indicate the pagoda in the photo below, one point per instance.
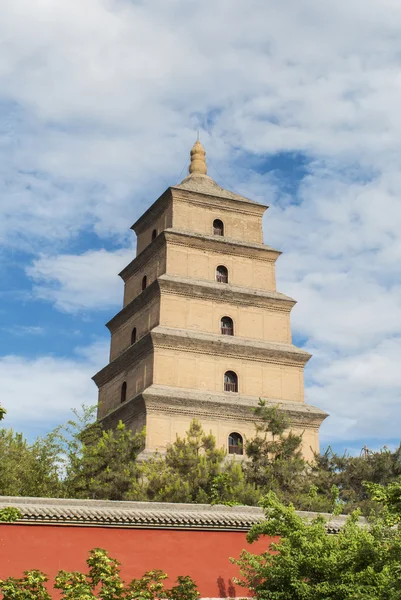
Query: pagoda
203,333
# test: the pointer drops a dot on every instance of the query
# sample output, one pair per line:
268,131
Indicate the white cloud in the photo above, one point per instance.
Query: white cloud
102,98
362,391
76,283
342,265
100,102
39,393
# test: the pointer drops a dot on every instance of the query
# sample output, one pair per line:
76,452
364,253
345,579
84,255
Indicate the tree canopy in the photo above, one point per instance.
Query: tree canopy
308,563
80,460
305,562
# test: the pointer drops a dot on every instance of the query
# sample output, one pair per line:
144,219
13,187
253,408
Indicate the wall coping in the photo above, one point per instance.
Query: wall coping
144,515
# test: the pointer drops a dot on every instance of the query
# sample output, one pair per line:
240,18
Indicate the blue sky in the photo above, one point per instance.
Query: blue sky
297,106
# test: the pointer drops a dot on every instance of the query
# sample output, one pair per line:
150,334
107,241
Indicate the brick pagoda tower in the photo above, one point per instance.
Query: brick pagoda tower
203,332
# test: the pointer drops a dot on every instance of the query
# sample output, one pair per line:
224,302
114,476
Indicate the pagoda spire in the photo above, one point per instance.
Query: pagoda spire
198,159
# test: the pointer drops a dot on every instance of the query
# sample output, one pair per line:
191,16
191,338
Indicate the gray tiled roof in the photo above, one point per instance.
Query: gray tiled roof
142,515
203,184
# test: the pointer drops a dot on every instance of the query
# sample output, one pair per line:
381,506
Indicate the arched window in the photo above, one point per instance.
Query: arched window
133,336
218,227
230,381
123,392
235,443
154,234
144,282
227,326
222,274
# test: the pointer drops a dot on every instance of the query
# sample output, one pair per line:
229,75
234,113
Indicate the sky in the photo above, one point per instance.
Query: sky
298,106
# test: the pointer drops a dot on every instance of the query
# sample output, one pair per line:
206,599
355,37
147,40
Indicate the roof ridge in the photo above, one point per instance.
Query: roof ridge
131,514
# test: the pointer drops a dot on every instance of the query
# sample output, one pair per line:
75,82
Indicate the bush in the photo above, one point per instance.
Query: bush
102,582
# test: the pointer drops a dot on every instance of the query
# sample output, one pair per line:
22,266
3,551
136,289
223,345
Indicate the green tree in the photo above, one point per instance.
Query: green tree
99,464
277,464
349,473
29,469
389,497
193,470
102,582
30,587
77,460
185,473
3,413
307,563
81,460
184,589
275,452
230,486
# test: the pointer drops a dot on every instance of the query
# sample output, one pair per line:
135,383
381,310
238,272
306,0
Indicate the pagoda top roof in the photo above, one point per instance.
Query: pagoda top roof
199,182
203,184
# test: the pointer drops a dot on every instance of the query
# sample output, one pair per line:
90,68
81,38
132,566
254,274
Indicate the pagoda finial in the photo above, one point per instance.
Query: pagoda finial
198,159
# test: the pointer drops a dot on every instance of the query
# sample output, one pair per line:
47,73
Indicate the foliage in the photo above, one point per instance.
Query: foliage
329,481
275,454
310,564
29,469
349,474
187,470
30,587
193,470
99,464
390,499
149,587
230,486
276,462
9,514
184,589
102,582
77,460
80,460
103,578
3,413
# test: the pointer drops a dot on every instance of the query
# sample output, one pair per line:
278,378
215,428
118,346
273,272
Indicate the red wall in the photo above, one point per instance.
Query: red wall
204,555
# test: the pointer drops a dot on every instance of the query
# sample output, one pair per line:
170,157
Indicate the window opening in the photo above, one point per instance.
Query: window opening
230,381
227,326
154,234
235,443
222,274
123,392
144,282
133,336
218,227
